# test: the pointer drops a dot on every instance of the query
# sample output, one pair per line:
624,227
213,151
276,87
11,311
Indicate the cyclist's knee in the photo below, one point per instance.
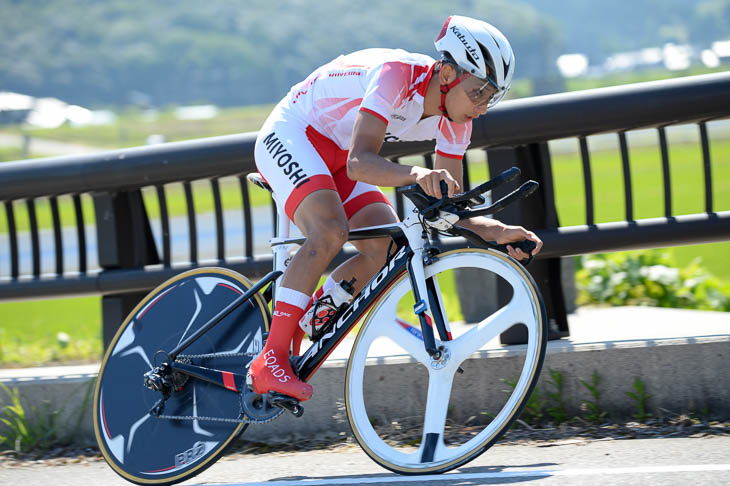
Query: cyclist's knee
327,236
375,249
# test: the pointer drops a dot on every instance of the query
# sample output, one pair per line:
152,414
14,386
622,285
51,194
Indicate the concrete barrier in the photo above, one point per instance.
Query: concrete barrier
684,369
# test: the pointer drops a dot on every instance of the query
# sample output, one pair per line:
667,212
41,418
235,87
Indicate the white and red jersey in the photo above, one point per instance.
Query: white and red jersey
388,83
303,145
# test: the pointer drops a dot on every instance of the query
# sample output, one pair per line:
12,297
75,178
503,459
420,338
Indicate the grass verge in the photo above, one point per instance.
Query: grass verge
50,332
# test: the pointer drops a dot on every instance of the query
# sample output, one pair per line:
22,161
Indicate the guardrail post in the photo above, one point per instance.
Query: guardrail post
535,213
124,239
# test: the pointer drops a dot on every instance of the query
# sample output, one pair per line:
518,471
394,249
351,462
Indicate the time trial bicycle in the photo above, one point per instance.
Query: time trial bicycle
172,390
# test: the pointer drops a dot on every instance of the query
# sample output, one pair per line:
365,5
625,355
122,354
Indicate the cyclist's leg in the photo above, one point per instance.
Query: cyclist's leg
322,220
365,205
303,186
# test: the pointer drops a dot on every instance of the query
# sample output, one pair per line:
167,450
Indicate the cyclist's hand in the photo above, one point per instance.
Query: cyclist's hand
518,233
430,180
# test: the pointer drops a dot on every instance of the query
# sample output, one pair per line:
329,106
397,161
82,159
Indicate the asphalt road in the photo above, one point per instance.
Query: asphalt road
680,461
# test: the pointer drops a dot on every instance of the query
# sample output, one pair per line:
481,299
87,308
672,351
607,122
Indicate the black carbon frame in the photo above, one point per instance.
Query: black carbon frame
318,352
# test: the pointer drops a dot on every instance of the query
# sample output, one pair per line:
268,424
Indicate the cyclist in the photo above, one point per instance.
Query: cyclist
318,150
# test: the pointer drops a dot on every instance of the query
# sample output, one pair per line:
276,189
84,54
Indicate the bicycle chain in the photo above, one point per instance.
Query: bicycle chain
215,355
205,419
220,419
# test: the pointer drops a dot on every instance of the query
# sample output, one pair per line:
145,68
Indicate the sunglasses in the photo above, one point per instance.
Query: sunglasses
486,94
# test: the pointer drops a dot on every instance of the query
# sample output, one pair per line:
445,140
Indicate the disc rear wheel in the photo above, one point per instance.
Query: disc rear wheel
147,449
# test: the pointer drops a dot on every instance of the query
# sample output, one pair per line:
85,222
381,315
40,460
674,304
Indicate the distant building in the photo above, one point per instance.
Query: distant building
674,57
16,108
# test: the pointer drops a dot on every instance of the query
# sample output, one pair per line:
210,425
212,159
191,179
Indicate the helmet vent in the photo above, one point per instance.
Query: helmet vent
487,57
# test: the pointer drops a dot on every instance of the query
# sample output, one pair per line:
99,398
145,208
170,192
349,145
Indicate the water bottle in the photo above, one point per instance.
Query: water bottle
323,310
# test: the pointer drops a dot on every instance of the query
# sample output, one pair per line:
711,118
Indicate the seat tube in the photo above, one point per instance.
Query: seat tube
281,252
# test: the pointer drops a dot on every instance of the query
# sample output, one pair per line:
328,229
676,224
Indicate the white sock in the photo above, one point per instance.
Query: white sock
292,297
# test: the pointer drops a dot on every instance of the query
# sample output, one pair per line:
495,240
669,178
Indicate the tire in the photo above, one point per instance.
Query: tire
145,449
462,407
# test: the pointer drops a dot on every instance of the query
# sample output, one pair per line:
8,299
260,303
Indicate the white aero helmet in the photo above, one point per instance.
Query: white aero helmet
479,49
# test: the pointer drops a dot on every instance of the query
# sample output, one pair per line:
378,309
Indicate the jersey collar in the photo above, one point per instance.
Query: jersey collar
423,85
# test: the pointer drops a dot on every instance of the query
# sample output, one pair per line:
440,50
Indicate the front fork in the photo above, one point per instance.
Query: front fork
426,295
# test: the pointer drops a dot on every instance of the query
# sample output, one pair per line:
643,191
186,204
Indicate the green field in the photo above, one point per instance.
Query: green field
29,331
687,183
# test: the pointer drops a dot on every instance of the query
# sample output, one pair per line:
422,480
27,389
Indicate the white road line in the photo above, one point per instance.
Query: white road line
495,475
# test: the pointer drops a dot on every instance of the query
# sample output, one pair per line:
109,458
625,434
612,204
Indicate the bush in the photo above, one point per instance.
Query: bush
649,278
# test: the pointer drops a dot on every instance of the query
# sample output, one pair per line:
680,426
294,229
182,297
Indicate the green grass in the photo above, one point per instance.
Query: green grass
29,331
687,183
617,79
11,153
686,174
448,296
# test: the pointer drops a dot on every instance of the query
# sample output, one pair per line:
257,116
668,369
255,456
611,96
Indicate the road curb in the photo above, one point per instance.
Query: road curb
681,375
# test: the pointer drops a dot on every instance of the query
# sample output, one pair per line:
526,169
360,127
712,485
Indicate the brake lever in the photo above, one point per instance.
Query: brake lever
431,213
527,246
444,189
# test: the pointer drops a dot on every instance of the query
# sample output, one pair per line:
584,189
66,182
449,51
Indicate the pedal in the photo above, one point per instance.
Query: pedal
286,402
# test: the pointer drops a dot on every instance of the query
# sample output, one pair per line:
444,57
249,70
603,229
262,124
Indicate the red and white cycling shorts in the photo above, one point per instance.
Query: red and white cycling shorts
296,160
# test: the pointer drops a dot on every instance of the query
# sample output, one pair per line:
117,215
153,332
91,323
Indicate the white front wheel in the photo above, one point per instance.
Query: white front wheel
465,400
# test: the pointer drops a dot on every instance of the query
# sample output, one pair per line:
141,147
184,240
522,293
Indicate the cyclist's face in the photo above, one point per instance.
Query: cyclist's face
469,100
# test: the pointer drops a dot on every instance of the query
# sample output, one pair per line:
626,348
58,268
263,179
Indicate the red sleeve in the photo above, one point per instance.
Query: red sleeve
452,138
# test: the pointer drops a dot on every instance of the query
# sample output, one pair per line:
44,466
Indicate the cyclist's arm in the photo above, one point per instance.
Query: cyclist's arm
364,164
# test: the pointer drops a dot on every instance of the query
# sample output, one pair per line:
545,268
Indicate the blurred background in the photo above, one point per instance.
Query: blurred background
82,76
139,67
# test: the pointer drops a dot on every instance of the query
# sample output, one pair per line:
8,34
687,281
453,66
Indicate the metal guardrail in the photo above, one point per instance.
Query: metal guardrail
514,133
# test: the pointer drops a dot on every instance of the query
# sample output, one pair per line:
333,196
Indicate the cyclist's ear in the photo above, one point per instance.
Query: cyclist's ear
447,73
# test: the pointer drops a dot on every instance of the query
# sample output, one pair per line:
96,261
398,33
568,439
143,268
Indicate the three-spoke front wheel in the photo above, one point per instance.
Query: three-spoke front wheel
466,403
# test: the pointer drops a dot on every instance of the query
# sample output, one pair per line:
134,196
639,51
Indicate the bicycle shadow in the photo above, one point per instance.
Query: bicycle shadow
467,476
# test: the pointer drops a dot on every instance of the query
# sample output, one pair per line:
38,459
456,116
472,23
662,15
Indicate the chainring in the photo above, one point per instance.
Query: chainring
256,408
